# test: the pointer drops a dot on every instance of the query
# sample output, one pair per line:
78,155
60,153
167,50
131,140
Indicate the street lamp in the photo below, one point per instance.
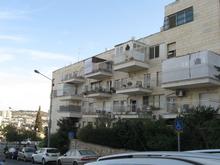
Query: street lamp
50,110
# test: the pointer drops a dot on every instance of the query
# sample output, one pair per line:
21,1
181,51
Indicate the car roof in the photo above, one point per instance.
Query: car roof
165,158
157,154
205,151
156,161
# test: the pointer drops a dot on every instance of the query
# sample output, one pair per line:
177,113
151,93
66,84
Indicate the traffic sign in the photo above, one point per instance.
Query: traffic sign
71,135
179,124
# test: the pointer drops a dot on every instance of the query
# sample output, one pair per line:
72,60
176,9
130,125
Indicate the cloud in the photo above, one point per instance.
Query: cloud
13,15
12,38
6,57
44,55
24,92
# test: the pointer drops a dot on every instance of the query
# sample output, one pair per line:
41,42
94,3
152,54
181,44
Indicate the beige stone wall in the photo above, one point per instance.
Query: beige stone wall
100,150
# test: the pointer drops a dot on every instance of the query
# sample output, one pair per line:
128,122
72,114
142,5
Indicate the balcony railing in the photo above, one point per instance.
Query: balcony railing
73,75
193,70
96,90
129,56
70,108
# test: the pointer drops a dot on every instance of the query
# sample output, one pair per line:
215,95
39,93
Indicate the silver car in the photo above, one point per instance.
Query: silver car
158,158
77,157
26,153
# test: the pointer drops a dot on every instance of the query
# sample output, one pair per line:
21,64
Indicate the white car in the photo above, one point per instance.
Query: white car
215,152
158,158
45,155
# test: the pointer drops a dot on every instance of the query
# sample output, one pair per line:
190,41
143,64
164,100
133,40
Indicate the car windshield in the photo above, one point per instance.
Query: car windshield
29,150
87,152
52,151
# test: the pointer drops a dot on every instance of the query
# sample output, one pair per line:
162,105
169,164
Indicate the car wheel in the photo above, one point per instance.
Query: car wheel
32,160
75,163
25,159
44,162
59,162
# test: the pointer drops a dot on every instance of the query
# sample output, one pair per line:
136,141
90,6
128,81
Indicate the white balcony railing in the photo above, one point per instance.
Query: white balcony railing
129,56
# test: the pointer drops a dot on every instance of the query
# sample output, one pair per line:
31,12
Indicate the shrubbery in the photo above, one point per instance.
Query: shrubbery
201,131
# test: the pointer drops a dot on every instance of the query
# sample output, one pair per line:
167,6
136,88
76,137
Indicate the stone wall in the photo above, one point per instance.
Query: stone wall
100,150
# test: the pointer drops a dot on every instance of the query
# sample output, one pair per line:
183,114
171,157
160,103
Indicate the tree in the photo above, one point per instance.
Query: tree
38,121
201,128
60,139
11,133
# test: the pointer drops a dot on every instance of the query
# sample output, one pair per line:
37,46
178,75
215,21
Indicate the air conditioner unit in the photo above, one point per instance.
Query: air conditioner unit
180,93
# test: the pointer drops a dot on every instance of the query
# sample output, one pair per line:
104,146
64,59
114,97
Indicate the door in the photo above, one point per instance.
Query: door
133,104
145,103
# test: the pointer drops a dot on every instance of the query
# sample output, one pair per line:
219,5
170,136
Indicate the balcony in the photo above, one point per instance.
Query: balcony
98,69
98,93
195,70
71,97
71,110
130,57
133,88
132,111
74,77
67,92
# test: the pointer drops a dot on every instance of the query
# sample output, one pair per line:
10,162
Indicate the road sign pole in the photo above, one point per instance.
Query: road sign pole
178,140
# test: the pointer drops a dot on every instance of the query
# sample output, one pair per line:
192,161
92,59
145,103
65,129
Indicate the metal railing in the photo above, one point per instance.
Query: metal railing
72,75
70,108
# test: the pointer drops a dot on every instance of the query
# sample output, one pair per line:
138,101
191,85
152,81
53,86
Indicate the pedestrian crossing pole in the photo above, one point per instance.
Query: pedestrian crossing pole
179,129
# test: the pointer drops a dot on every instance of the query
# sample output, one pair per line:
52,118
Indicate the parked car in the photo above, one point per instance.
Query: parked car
158,158
2,157
26,153
77,157
45,155
12,153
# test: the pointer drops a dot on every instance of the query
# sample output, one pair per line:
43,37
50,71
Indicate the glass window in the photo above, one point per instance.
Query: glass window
154,52
178,18
181,18
172,21
151,52
157,51
189,15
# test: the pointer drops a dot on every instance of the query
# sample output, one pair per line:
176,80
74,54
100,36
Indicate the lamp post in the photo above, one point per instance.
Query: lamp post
50,110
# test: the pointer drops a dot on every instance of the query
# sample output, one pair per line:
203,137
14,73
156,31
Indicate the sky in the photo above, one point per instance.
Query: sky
49,34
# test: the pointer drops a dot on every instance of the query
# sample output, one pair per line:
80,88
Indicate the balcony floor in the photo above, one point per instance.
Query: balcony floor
131,66
99,95
134,91
99,75
194,83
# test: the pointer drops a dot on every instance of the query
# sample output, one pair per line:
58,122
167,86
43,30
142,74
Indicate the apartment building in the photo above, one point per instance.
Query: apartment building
155,76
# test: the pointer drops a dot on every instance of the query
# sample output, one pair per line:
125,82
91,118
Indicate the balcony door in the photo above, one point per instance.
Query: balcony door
133,104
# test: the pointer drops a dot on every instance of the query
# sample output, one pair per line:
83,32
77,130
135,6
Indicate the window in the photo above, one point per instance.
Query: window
179,18
157,101
158,79
171,50
154,52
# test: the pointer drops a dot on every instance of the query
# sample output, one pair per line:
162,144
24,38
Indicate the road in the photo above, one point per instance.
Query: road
15,162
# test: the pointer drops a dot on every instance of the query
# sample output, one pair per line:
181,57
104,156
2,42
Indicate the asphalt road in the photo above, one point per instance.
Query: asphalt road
15,162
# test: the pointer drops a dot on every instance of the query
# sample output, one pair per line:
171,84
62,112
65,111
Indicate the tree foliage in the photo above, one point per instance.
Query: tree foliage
38,127
201,128
201,131
60,139
12,134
